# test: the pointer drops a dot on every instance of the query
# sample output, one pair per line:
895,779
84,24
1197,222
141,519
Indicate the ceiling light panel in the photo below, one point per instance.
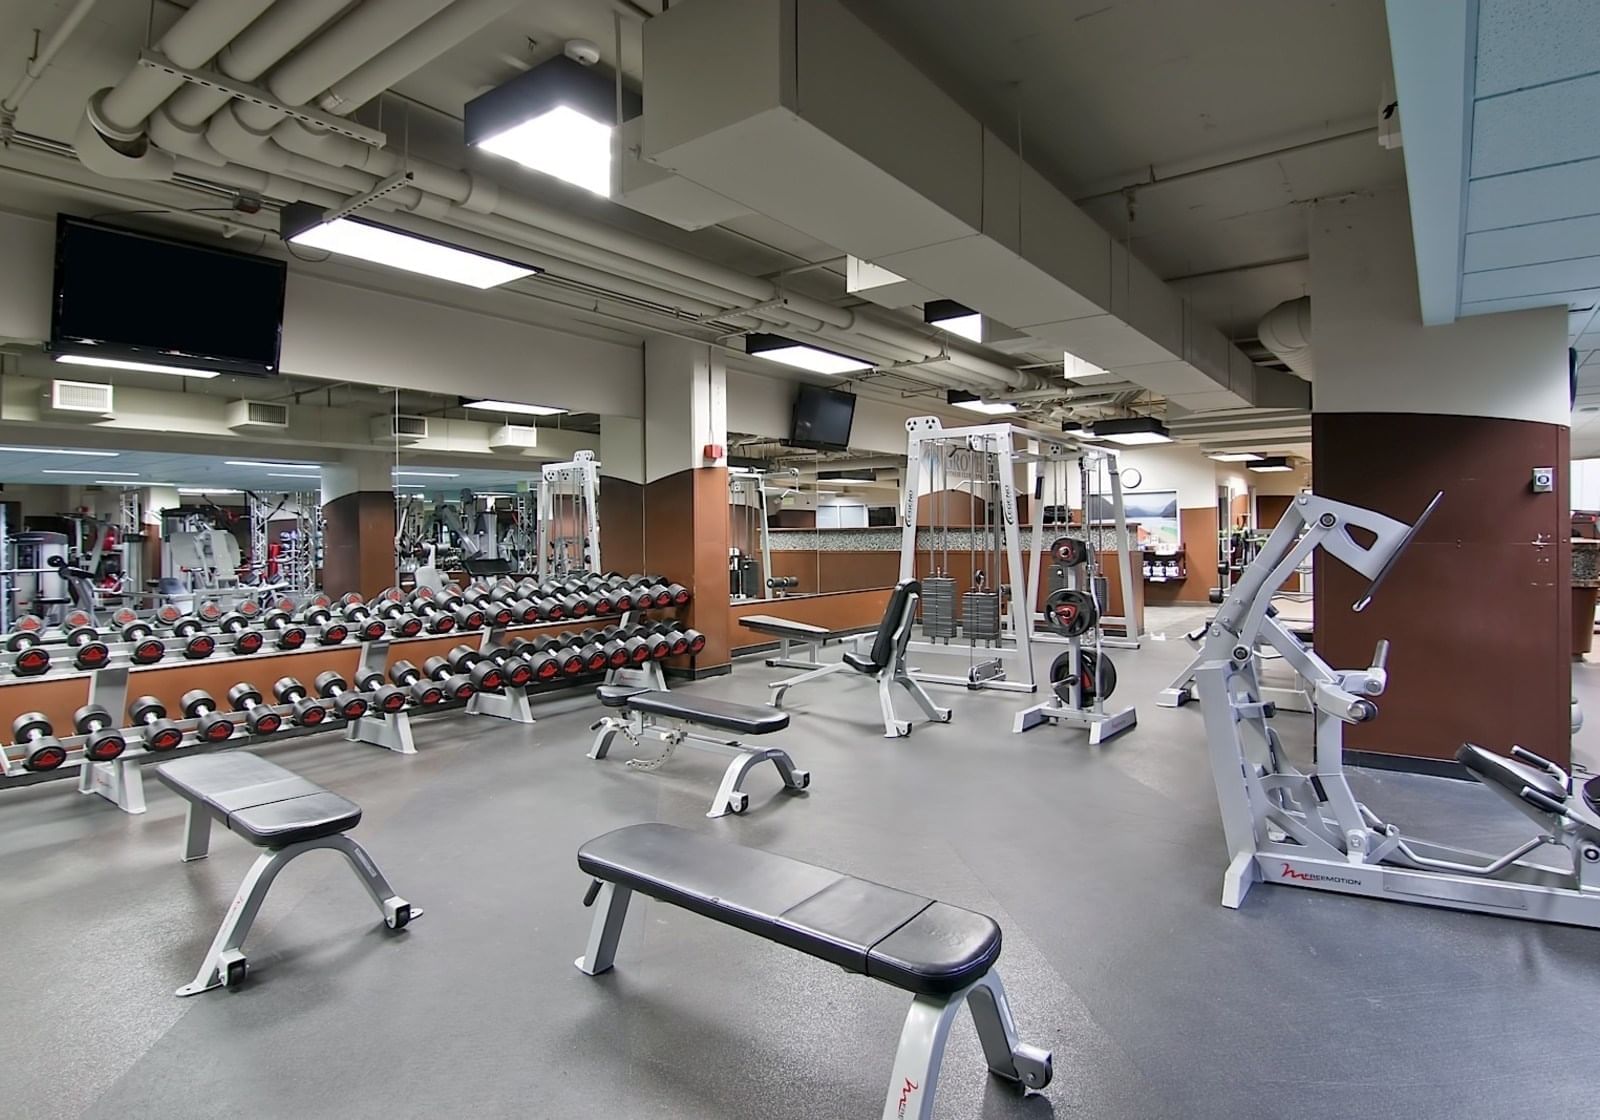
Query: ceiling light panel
515,407
302,224
800,355
135,367
62,451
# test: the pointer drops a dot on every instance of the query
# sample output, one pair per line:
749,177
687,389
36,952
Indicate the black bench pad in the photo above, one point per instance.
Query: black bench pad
260,800
784,627
903,939
1509,772
748,719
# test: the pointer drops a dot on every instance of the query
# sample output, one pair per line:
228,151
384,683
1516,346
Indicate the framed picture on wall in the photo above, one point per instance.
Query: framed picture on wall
1152,513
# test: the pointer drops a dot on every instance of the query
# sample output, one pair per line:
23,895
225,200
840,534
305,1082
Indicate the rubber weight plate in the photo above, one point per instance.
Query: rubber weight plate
1097,676
1069,550
1071,613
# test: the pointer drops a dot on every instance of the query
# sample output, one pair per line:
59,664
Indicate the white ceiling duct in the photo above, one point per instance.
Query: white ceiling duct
917,186
1286,331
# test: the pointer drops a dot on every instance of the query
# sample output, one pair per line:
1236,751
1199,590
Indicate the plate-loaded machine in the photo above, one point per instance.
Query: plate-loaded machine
1304,827
1082,677
569,517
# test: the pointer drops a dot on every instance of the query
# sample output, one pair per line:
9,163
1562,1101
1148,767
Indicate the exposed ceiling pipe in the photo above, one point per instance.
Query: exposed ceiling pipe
191,42
44,56
264,43
1286,331
450,27
352,41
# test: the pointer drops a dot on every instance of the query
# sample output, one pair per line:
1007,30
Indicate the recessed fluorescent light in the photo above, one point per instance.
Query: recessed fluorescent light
114,482
63,451
1270,465
514,406
126,474
948,315
206,490
271,474
137,367
301,224
1235,456
410,486
1131,431
775,347
556,118
971,402
272,466
425,474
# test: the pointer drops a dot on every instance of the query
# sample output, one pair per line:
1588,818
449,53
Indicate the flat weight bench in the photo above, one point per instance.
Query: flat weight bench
648,708
787,630
278,811
943,955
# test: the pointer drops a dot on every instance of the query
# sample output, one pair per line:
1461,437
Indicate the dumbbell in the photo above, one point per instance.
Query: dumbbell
423,691
103,740
366,626
394,615
541,661
457,686
659,643
215,726
260,719
518,671
438,620
245,640
33,731
333,632
28,634
468,616
89,651
31,661
495,612
549,609
486,674
386,697
577,604
291,635
349,704
307,711
150,716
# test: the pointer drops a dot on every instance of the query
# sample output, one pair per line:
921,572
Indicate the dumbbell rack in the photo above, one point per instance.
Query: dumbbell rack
119,780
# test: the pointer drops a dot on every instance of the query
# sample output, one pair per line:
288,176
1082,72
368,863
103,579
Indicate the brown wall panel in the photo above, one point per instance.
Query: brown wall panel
1481,600
686,540
621,513
1197,528
847,610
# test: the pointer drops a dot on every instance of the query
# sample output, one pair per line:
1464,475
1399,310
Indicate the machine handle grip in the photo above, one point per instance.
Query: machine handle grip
1522,754
1542,801
1380,656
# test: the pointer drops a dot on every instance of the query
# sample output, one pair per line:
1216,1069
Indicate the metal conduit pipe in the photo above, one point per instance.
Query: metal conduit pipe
285,26
191,42
413,51
44,56
351,42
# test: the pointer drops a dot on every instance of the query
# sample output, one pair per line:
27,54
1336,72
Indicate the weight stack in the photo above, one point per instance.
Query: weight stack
980,616
939,607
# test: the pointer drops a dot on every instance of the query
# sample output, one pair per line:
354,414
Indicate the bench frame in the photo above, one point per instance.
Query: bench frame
225,963
920,1053
730,796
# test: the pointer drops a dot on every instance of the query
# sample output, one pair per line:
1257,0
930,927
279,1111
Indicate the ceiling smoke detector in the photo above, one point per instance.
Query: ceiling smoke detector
581,51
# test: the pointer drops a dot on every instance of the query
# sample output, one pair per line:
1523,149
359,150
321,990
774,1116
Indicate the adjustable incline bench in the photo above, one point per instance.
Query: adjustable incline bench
943,955
885,663
682,714
285,815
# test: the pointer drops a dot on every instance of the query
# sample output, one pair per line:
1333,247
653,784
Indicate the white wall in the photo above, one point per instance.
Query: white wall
1167,466
1374,355
1586,484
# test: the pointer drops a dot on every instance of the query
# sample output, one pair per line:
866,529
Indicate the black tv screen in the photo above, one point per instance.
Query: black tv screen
128,296
822,418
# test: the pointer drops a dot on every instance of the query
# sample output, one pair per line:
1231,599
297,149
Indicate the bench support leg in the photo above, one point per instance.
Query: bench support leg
225,960
611,909
780,687
935,713
197,833
915,1079
730,794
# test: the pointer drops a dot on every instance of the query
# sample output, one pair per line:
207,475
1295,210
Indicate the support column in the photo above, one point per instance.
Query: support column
686,492
1479,608
622,494
358,524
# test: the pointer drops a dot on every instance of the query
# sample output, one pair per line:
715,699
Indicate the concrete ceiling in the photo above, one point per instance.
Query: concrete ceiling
1194,131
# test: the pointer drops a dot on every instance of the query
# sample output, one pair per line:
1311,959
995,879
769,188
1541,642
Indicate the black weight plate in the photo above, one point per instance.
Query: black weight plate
1069,550
1071,613
1097,676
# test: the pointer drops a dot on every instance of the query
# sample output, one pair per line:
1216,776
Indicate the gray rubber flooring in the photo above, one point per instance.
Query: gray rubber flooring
1103,866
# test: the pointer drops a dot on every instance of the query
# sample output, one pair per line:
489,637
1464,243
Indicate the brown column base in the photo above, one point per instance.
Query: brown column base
1583,604
686,539
1478,610
358,543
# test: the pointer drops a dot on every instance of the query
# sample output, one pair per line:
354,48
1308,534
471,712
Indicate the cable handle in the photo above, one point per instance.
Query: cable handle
1380,656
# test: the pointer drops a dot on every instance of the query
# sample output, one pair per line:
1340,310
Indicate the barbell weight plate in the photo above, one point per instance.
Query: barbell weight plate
1097,676
1069,550
1070,612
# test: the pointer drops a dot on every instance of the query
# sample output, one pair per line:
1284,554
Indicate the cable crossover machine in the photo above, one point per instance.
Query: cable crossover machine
979,585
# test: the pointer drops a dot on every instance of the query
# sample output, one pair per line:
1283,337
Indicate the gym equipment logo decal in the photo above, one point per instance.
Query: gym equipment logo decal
905,1096
1312,877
